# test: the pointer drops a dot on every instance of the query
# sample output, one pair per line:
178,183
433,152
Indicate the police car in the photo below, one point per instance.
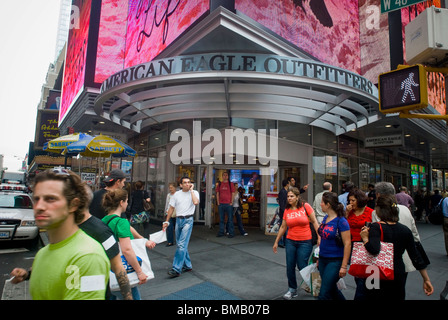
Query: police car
16,216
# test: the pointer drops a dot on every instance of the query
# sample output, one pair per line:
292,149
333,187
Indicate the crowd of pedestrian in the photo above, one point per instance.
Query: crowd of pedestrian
90,234
353,216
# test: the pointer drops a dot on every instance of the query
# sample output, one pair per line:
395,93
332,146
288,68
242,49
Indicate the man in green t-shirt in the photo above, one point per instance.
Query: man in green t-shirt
73,266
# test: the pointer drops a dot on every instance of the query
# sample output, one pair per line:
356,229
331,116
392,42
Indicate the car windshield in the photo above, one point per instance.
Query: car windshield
15,201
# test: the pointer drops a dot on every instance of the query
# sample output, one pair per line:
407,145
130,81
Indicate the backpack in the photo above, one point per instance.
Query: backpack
436,215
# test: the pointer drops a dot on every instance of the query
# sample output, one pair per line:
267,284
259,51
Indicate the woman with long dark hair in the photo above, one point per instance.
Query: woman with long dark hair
401,236
298,245
334,248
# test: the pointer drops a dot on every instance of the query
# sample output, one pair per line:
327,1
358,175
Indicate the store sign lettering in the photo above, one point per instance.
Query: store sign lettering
242,63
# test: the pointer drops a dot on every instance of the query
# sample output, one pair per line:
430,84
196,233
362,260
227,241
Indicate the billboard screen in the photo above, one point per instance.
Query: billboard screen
327,30
136,31
116,34
76,57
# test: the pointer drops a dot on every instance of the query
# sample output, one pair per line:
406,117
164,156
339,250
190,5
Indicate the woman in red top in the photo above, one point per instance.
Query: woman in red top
298,245
357,215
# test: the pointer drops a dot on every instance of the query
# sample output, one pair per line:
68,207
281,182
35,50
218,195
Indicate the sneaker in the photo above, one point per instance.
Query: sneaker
245,234
185,269
289,295
173,273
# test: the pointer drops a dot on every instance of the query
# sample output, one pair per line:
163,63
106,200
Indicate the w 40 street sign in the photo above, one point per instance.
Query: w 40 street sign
391,5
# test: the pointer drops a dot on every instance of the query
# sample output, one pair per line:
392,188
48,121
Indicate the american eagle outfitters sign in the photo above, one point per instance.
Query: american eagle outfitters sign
242,63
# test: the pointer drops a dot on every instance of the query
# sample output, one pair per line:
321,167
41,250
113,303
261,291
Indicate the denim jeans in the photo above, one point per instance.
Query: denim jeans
225,209
329,273
170,231
184,227
297,254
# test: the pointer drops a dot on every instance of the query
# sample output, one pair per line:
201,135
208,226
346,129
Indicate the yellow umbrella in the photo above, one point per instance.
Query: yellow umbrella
100,146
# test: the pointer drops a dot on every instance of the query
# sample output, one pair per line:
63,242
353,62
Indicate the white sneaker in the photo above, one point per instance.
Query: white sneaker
289,295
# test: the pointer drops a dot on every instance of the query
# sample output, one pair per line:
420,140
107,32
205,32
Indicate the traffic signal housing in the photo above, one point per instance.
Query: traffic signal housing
403,89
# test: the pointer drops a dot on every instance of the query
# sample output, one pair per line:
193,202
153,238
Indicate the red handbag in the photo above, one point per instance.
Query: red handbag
363,263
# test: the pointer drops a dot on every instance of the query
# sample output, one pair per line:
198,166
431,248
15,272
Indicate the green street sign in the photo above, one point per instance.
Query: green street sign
391,5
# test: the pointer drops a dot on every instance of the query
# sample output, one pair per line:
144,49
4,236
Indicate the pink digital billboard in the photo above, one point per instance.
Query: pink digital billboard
154,24
76,56
327,30
136,31
116,34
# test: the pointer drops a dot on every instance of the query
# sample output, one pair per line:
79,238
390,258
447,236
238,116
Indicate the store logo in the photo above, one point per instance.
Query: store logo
230,146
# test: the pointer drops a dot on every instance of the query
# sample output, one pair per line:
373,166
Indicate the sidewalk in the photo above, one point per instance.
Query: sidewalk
245,268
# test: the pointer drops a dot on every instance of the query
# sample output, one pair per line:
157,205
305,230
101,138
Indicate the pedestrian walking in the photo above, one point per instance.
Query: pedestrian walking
326,187
224,195
115,203
139,216
404,198
237,208
334,248
185,202
343,198
282,201
73,266
358,214
388,229
404,216
172,225
115,180
99,231
298,245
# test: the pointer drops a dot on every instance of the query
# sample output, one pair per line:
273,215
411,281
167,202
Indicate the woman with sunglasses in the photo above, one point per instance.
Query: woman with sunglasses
298,245
358,215
335,247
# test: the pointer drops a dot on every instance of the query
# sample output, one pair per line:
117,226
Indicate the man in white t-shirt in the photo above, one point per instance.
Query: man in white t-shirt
185,202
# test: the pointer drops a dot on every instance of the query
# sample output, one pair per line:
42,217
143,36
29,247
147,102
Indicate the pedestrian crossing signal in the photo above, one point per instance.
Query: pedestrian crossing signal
403,89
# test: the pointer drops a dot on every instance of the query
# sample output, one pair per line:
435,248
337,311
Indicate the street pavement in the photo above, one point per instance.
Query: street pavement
245,268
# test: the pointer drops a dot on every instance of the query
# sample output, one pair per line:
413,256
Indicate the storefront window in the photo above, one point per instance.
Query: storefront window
366,175
324,139
156,184
348,171
348,145
324,170
294,131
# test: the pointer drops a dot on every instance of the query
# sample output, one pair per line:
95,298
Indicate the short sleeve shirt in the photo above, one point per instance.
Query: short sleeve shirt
75,268
298,223
183,203
98,230
119,226
327,232
225,190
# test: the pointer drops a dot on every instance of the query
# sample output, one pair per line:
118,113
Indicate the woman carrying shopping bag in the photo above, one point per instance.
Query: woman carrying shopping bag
115,203
140,206
335,247
389,230
298,245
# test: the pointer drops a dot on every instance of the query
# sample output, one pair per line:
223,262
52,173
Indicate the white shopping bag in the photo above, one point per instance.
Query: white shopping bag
138,245
158,237
306,273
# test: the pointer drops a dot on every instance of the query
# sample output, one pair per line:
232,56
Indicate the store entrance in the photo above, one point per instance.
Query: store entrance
248,184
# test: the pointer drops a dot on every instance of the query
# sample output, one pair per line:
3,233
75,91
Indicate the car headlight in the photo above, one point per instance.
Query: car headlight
28,223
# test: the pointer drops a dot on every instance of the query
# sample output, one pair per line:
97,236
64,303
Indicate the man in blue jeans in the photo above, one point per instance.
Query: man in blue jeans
224,195
185,202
